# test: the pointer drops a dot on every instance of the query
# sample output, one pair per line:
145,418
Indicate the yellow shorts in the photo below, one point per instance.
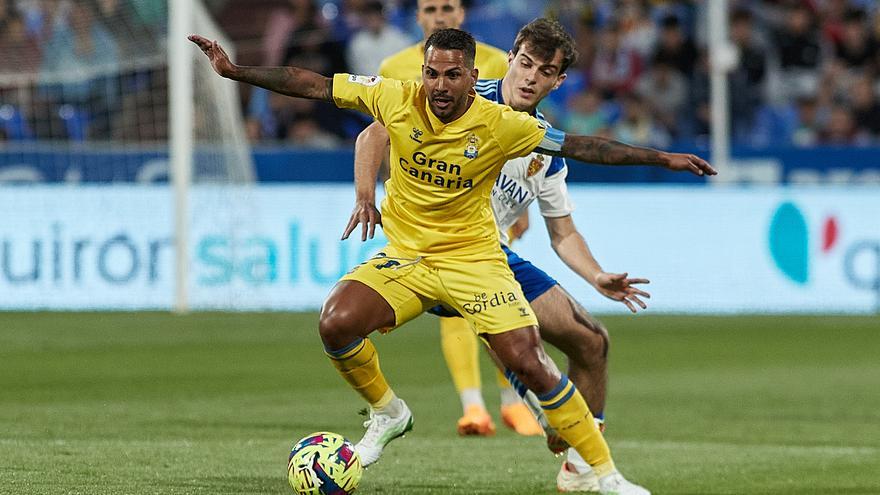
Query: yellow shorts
485,293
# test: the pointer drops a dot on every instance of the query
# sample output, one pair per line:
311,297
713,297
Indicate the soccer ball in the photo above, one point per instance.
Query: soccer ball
324,463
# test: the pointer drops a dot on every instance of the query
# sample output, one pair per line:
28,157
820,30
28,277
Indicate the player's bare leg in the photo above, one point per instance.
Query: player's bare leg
351,312
521,352
568,326
583,339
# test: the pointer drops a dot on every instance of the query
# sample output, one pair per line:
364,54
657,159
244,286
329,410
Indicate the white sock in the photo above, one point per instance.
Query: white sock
471,396
393,408
509,396
577,462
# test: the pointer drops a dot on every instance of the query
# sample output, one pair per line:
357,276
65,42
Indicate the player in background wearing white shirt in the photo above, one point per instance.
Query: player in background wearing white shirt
537,64
375,41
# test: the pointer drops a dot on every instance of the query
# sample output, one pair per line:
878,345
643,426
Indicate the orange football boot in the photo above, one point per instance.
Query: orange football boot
476,421
518,418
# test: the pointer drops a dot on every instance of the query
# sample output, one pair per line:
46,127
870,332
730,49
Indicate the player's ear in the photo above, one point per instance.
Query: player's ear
510,57
475,73
559,80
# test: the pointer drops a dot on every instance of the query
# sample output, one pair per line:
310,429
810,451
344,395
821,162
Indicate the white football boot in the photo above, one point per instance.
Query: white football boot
381,429
615,484
569,480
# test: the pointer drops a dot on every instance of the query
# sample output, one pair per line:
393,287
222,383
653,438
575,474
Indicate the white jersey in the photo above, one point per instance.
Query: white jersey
523,180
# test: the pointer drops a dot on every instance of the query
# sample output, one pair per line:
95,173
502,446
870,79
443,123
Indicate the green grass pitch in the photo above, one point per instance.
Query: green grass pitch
151,403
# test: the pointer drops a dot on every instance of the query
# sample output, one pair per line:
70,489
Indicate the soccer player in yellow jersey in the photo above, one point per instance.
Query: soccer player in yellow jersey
457,341
433,15
447,146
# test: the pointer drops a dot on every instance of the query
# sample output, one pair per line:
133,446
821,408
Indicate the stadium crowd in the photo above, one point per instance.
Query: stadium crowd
806,75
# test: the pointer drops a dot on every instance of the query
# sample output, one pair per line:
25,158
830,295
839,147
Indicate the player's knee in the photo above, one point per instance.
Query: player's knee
337,325
535,370
599,340
593,340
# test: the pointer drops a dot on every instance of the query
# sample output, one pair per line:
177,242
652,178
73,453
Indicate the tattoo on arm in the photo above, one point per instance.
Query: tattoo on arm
606,151
290,81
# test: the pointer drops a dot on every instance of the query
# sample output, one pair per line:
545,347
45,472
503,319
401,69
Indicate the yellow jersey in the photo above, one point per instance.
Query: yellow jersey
406,65
437,199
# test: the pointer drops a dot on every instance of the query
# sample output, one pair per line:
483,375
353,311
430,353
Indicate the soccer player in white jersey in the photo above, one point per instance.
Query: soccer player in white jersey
541,54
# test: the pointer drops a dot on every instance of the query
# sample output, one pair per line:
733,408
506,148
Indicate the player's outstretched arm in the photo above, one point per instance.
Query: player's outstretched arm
370,148
290,81
572,249
594,149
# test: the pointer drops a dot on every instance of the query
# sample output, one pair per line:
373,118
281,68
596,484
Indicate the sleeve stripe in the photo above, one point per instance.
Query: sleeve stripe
556,164
552,141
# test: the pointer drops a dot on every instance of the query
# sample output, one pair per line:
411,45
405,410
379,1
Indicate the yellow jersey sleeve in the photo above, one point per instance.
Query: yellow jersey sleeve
376,96
491,62
518,133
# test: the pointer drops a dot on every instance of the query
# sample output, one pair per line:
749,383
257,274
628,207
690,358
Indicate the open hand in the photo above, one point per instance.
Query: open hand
366,214
619,287
215,53
681,162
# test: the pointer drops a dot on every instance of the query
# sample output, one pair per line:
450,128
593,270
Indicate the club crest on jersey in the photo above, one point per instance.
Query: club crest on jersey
471,150
364,80
535,165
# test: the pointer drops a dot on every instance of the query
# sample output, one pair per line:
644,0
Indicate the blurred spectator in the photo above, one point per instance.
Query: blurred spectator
586,115
375,41
308,44
314,39
809,124
130,34
19,51
616,67
666,90
798,41
698,121
585,39
80,62
674,48
866,108
639,31
857,49
841,129
261,121
636,126
747,77
800,52
281,22
832,14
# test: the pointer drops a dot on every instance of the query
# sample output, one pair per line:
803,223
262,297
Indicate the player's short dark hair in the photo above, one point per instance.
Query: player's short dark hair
544,37
454,39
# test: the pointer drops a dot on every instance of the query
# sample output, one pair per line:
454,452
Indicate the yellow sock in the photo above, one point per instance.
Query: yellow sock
460,350
358,363
502,380
567,412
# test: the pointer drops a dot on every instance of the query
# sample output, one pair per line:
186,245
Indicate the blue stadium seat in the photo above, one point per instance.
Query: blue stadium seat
76,121
14,125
